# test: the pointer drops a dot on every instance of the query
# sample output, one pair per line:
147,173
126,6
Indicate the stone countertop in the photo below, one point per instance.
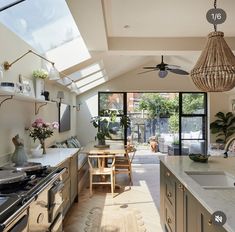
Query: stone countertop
213,200
54,156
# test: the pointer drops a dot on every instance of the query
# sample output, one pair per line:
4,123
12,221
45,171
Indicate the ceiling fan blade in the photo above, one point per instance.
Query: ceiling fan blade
147,71
172,66
179,71
149,67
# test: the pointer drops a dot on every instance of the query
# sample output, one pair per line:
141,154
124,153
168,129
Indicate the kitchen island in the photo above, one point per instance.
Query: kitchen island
185,204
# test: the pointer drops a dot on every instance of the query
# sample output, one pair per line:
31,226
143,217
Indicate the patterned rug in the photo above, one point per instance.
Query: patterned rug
121,219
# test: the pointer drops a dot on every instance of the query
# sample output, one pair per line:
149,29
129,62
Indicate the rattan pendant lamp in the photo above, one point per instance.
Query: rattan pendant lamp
215,68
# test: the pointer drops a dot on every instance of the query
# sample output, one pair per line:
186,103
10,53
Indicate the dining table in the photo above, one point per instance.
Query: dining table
110,149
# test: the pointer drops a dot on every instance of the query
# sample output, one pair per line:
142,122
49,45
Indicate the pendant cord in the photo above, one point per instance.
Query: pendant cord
215,6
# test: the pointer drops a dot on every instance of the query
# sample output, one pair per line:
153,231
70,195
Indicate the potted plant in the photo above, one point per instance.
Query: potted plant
103,125
176,143
223,126
40,75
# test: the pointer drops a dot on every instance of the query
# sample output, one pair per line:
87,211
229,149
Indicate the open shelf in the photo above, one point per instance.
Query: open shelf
9,95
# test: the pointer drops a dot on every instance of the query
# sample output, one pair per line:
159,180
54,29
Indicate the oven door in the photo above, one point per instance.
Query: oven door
55,200
56,226
20,224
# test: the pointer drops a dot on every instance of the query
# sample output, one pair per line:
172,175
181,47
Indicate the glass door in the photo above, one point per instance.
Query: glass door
115,102
193,123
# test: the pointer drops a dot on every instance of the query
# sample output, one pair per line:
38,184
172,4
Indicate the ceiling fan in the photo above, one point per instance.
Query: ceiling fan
164,68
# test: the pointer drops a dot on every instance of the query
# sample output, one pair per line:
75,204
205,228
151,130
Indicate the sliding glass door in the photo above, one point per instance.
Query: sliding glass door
193,123
177,120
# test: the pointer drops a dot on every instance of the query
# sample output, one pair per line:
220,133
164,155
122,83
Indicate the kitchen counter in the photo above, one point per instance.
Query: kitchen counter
54,156
213,200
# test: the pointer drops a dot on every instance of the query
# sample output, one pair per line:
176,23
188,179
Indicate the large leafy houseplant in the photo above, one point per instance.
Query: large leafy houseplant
223,126
103,125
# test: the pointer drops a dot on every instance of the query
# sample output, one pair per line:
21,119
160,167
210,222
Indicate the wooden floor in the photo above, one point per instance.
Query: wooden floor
142,200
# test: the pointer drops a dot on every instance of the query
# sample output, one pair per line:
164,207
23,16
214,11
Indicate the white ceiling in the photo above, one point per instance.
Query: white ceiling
176,29
164,18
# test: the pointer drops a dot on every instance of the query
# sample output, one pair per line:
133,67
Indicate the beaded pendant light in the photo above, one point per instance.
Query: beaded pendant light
215,68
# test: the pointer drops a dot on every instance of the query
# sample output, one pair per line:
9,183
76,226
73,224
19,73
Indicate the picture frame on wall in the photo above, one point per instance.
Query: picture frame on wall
27,86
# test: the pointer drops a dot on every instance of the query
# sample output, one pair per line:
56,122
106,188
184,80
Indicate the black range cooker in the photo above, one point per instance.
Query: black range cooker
19,185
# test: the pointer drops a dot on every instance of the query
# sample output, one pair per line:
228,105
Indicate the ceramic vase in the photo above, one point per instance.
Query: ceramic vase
39,88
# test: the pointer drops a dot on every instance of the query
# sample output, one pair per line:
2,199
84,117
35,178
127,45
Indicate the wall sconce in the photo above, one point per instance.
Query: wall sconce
60,95
67,81
53,73
77,106
73,87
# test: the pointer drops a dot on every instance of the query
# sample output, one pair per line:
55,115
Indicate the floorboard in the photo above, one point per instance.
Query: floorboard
143,197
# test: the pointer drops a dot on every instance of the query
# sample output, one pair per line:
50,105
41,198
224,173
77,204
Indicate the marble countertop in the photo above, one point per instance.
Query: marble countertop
54,156
213,200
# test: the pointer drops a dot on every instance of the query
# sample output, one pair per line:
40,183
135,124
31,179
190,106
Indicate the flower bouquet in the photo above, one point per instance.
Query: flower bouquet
41,130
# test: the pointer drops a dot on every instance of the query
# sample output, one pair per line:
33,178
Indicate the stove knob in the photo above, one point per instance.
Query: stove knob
40,218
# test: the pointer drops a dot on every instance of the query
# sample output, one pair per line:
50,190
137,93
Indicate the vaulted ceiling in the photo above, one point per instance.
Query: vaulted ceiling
128,34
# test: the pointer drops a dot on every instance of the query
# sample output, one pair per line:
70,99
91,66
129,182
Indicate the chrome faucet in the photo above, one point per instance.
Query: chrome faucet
227,146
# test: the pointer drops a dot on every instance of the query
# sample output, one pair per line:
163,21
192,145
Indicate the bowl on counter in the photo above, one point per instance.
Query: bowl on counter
199,157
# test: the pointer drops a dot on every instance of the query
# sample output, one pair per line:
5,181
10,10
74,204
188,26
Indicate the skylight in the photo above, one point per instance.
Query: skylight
91,85
44,24
86,71
47,25
90,79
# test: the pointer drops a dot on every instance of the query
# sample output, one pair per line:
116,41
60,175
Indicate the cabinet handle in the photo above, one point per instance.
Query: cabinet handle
169,220
209,222
168,174
169,194
181,187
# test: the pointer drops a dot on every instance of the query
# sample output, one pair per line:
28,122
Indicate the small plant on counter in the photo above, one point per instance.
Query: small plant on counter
42,130
40,73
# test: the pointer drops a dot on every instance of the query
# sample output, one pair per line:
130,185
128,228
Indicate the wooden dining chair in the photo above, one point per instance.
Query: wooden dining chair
98,168
123,163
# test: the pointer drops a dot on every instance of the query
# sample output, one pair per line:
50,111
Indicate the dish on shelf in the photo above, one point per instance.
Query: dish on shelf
199,158
7,86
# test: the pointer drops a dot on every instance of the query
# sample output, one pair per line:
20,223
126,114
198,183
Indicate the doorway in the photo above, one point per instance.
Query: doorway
177,120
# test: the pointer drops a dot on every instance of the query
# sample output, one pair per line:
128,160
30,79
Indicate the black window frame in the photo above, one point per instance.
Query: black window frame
204,117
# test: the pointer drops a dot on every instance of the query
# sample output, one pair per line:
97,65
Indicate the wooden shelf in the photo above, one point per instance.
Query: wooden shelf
8,95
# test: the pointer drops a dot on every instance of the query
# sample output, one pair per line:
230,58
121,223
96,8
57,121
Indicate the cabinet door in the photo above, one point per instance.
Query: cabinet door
206,222
169,217
191,215
66,174
66,196
179,206
162,192
74,177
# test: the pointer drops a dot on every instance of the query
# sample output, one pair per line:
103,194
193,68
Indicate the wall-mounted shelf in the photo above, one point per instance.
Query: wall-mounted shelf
8,95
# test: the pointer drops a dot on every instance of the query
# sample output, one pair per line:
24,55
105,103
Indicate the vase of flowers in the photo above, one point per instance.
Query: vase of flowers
41,130
40,75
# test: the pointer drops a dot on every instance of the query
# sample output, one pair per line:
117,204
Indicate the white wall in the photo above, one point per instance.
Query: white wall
133,82
217,102
15,115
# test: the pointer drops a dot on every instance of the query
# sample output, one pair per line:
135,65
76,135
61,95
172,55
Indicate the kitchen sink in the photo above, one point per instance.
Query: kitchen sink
213,179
